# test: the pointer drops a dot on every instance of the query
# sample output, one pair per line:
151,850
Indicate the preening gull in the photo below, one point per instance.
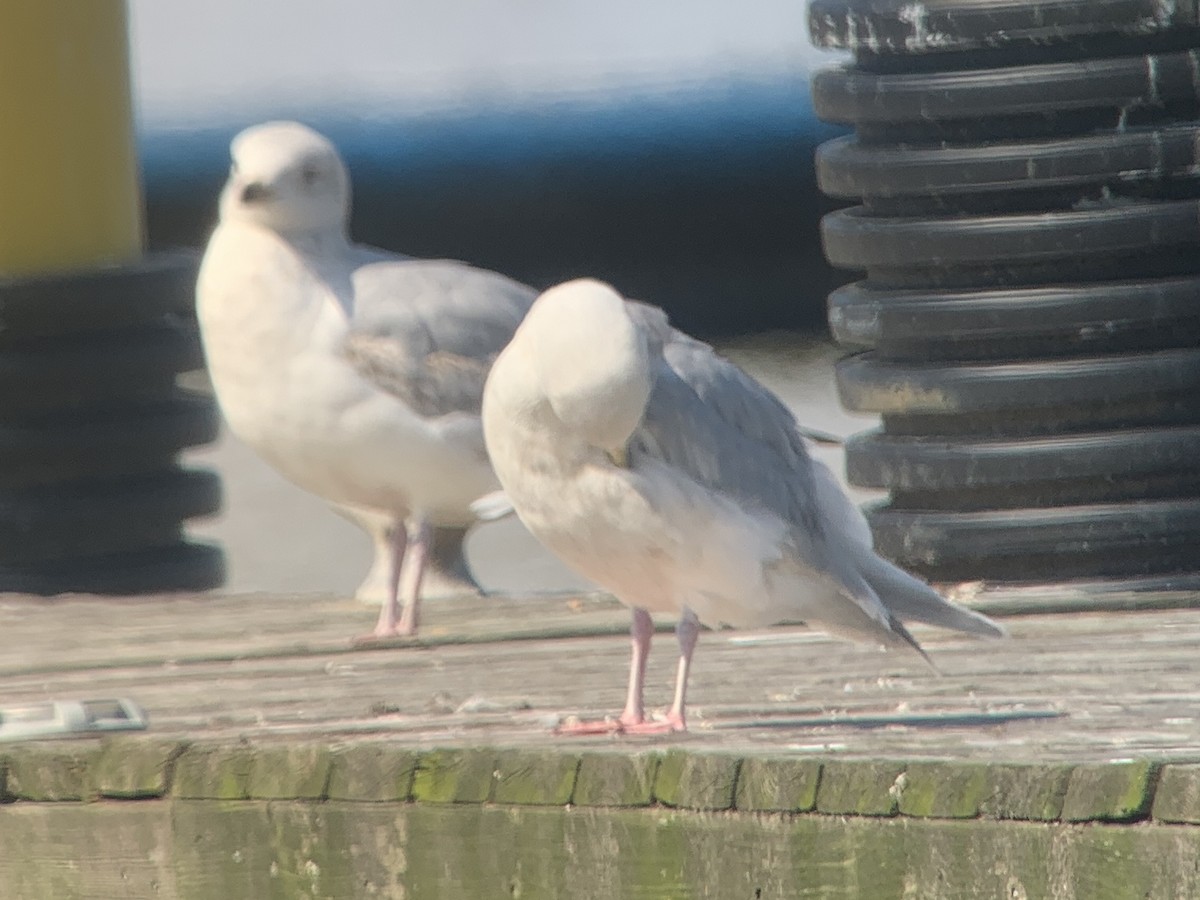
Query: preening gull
357,373
667,475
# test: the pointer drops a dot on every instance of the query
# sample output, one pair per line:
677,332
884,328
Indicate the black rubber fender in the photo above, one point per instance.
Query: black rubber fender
98,517
1101,540
990,322
928,463
853,96
852,168
103,369
941,26
158,289
183,566
854,239
104,444
869,384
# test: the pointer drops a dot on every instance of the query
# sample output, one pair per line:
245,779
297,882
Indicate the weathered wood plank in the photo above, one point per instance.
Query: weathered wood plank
187,850
706,781
1112,792
777,785
223,668
616,779
374,771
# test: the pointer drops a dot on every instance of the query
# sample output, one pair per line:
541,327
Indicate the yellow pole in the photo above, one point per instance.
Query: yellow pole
69,186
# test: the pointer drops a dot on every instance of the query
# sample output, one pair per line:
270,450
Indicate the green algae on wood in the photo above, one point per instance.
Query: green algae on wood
1177,796
373,771
1119,862
860,787
135,768
50,772
181,849
213,772
290,771
697,780
1110,792
454,776
535,777
1033,791
943,790
777,785
616,779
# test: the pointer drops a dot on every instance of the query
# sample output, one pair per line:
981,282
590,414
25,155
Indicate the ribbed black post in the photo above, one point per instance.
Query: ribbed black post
92,420
1029,323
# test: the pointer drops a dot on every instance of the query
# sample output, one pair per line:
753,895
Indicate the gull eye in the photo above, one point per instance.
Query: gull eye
310,174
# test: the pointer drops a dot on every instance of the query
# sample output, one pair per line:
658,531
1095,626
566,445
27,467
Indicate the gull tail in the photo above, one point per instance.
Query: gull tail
907,597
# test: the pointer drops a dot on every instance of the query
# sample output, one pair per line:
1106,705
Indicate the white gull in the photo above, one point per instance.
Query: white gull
355,372
667,475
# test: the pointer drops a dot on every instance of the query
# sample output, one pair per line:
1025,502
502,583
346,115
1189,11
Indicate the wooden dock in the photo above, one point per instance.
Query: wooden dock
282,760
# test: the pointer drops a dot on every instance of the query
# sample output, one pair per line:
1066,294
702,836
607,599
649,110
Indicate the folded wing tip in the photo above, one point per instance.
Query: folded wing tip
492,506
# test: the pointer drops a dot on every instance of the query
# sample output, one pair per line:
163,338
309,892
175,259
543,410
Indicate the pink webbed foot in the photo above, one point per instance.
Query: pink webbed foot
671,724
383,634
584,727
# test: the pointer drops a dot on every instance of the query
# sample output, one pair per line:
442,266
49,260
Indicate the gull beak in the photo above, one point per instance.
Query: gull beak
255,192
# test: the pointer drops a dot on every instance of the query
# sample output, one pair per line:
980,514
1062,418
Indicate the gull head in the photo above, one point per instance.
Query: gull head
286,177
592,362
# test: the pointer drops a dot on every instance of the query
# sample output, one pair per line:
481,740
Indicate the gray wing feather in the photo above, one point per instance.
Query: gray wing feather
718,425
428,331
709,419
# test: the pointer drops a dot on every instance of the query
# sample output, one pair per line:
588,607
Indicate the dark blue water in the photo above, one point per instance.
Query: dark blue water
700,197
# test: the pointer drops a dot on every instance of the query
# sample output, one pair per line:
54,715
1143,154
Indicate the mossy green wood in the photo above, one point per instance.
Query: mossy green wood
777,785
214,772
193,849
135,768
50,771
1112,792
616,779
535,777
454,775
1033,791
372,771
1177,796
290,771
860,787
943,790
697,780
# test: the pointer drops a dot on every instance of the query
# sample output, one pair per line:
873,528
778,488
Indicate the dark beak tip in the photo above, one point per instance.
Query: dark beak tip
254,192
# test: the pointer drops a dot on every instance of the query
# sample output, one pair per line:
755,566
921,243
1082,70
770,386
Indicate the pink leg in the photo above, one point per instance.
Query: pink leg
420,542
687,631
386,625
641,631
